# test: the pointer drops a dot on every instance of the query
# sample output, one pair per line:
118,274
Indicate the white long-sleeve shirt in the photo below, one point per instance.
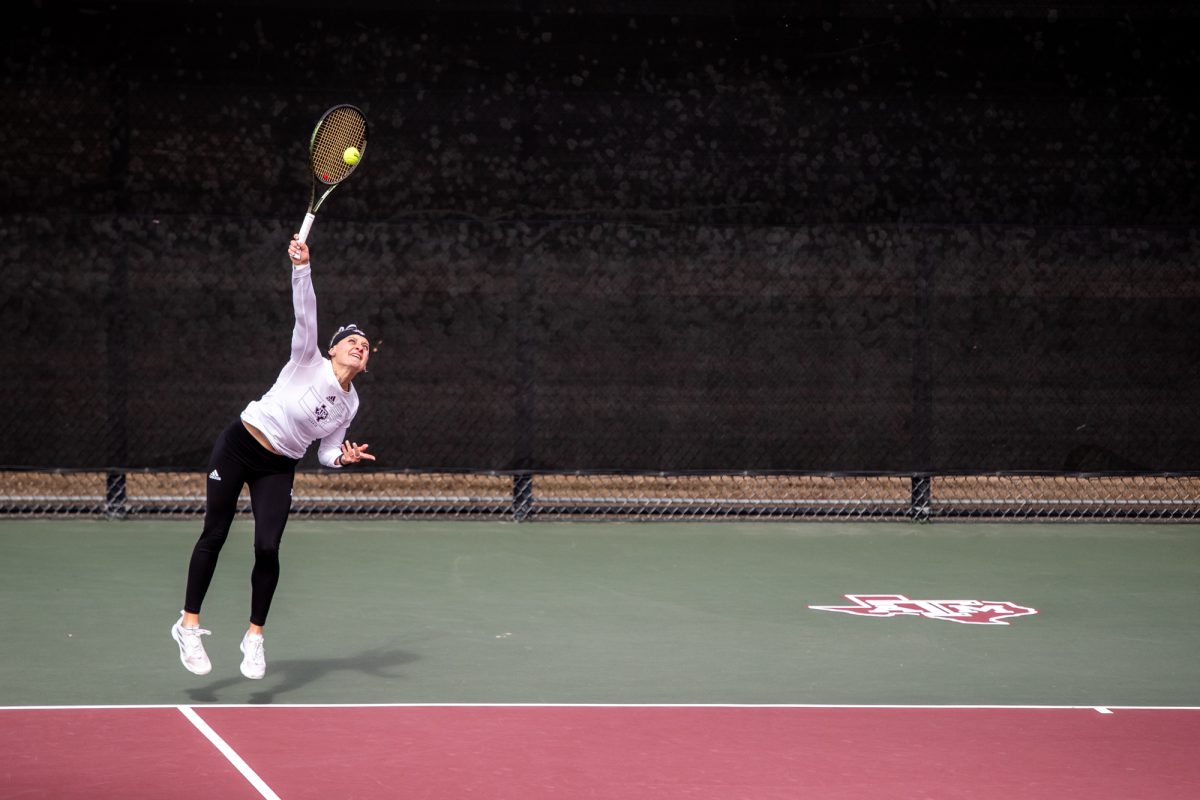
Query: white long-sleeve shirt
307,402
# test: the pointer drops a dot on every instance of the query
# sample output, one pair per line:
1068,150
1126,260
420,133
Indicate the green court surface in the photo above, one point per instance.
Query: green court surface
710,613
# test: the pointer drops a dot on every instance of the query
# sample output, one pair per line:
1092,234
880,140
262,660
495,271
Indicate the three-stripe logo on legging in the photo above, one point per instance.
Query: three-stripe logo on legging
214,476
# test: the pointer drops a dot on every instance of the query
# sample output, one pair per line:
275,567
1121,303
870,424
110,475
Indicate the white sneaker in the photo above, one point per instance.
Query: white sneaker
254,657
191,649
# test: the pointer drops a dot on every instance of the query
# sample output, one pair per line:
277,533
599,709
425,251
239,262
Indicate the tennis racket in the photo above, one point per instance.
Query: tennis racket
339,129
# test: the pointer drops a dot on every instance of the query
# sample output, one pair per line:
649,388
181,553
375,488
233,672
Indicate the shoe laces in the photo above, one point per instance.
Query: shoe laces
254,648
191,637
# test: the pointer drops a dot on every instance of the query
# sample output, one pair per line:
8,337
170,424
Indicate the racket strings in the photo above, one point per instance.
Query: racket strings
342,128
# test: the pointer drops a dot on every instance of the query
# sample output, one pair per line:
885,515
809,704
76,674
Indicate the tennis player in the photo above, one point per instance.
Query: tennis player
313,398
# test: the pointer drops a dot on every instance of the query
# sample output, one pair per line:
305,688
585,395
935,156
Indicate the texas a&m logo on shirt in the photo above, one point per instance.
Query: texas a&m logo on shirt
968,612
326,411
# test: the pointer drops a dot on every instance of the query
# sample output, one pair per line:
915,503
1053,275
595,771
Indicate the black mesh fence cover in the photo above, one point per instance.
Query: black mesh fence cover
822,237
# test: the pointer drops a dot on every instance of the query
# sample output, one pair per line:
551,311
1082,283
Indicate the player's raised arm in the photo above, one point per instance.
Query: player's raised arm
304,302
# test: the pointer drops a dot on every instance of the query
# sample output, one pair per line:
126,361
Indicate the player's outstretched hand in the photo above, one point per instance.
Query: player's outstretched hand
352,453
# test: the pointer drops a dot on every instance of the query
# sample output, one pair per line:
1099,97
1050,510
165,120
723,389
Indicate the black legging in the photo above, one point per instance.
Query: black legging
238,459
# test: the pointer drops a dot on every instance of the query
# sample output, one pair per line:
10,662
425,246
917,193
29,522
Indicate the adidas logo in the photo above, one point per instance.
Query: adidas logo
214,476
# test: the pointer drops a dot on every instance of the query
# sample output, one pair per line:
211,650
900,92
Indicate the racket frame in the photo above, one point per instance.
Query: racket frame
314,202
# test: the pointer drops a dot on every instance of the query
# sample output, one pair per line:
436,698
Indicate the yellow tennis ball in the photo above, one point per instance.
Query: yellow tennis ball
351,155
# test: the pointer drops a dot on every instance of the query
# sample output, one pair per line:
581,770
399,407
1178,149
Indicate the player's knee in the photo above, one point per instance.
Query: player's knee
266,551
214,535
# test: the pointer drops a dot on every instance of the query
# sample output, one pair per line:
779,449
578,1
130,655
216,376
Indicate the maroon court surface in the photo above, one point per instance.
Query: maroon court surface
661,752
108,753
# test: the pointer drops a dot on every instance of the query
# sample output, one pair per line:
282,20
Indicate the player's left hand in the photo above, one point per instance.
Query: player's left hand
353,452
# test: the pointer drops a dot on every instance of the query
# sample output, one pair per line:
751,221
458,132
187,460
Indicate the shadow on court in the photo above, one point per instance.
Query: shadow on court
288,675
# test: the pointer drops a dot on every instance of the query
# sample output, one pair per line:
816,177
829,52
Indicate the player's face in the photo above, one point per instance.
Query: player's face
353,352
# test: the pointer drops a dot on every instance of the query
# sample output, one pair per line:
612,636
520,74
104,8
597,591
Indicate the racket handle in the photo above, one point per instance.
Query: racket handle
306,227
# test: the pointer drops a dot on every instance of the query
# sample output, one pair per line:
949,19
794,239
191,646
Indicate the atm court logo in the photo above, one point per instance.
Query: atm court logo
968,612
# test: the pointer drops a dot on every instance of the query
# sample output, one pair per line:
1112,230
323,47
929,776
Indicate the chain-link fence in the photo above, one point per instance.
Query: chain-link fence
524,496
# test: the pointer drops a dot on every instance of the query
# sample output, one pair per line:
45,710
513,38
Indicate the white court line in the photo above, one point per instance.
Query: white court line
229,753
847,706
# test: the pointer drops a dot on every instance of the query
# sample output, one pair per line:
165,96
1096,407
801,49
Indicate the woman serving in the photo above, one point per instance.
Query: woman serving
313,398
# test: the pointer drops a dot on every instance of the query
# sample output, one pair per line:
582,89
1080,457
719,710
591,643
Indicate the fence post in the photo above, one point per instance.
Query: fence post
920,499
921,457
117,301
522,496
114,495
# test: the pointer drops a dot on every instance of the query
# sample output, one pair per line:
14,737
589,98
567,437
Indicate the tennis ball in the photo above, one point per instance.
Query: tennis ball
351,155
